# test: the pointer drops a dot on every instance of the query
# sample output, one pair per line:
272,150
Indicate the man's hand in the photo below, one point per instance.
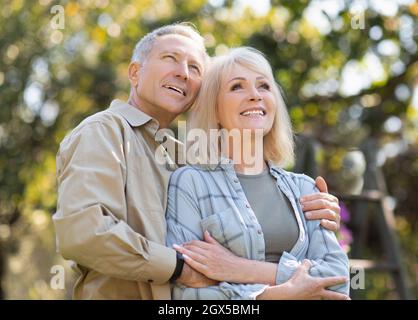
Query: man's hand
302,286
322,206
192,278
210,258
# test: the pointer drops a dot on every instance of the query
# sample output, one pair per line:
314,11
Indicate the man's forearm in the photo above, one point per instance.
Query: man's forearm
112,248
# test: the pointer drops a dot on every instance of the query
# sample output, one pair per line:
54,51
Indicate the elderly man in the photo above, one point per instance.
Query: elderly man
112,192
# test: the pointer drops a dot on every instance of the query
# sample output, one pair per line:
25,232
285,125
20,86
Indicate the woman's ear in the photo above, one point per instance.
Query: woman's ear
133,73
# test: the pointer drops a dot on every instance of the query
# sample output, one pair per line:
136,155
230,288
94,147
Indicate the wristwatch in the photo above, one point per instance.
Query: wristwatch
179,267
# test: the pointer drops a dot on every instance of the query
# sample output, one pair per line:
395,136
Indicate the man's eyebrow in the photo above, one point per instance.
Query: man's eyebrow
170,51
177,53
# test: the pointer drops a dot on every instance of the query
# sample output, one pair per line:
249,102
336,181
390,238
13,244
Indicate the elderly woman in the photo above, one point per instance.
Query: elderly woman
249,212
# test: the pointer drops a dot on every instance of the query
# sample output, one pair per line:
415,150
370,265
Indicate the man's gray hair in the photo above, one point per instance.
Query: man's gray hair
144,46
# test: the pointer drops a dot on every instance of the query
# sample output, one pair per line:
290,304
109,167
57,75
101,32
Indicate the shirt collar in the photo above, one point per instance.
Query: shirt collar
228,164
133,115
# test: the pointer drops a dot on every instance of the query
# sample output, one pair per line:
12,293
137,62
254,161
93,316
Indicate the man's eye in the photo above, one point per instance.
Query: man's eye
236,86
170,56
195,67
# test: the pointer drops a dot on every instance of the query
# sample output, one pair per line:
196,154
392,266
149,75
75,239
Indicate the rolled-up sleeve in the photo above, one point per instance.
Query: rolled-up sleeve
183,225
90,221
324,252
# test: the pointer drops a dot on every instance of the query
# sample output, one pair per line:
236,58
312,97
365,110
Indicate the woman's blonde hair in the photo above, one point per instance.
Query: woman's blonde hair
278,143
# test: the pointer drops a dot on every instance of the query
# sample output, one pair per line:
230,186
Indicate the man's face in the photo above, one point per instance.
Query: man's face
170,77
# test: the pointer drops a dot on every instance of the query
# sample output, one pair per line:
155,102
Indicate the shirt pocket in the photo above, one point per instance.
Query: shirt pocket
226,228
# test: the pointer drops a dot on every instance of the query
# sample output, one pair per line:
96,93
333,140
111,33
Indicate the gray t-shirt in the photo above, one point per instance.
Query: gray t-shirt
273,211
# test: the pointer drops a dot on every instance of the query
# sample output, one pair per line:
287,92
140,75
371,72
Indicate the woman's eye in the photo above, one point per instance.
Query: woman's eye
236,86
265,86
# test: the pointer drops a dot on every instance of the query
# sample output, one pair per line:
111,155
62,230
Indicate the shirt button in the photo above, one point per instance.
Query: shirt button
259,231
236,180
150,281
247,205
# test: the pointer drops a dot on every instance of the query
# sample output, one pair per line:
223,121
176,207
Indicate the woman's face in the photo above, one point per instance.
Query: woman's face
245,101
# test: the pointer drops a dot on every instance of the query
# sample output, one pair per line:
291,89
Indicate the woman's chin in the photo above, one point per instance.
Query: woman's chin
255,128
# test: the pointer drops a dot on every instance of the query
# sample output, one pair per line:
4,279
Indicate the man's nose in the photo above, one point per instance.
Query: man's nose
182,71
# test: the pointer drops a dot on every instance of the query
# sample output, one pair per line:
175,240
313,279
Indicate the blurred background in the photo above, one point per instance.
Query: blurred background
348,70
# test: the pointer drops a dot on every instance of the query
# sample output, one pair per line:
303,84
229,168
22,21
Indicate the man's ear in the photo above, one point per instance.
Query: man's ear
133,73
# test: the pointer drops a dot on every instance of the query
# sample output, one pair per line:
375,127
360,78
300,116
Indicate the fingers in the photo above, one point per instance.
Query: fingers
330,225
191,254
320,204
332,281
306,265
332,295
321,214
195,249
195,264
198,243
302,270
319,195
338,221
321,184
208,238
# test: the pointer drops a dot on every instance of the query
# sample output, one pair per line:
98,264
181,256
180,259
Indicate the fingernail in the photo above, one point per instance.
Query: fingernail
185,256
308,215
176,246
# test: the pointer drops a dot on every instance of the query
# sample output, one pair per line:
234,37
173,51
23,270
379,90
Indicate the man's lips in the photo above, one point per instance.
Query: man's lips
175,89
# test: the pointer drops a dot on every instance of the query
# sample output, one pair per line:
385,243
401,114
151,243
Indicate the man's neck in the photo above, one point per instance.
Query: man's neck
162,117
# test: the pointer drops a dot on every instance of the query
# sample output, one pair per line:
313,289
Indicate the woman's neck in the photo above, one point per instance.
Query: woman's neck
250,169
249,159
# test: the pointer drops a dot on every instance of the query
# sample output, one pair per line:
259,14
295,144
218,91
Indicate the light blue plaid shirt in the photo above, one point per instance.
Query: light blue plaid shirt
211,198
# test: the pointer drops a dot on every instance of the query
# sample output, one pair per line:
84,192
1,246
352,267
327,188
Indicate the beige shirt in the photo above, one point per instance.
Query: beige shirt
110,215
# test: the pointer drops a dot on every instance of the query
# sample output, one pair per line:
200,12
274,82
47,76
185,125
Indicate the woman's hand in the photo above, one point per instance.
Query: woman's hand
211,259
302,286
322,206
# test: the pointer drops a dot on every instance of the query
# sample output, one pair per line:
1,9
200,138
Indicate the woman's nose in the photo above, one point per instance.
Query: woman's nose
255,95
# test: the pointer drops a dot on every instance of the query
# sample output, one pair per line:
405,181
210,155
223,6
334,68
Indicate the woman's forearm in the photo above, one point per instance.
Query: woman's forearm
277,292
252,271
